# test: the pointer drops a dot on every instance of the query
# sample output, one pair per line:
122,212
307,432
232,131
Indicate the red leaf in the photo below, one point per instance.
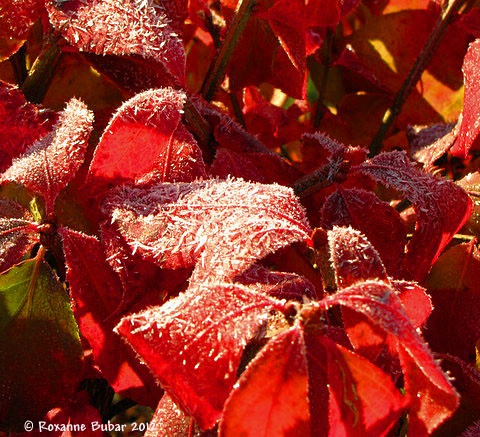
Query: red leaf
97,293
469,127
454,326
193,351
273,45
145,140
271,396
51,163
441,208
21,123
363,399
222,227
168,420
379,302
376,219
138,33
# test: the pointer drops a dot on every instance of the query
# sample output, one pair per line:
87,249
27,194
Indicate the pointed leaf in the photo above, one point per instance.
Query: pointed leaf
49,165
363,399
379,302
138,31
40,350
222,227
376,219
145,139
441,208
193,343
21,123
271,396
469,127
354,258
97,293
168,420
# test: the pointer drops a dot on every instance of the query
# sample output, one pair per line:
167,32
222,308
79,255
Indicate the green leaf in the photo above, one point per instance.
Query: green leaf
40,350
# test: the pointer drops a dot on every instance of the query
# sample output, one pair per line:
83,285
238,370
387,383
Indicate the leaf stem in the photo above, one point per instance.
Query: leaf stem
41,74
217,70
415,73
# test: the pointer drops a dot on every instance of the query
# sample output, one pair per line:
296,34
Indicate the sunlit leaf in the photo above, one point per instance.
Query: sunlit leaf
51,163
441,208
146,140
194,352
204,224
271,398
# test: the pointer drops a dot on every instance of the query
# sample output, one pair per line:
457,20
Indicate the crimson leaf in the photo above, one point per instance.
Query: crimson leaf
422,374
146,141
271,396
194,352
363,399
441,208
140,33
96,292
49,165
222,227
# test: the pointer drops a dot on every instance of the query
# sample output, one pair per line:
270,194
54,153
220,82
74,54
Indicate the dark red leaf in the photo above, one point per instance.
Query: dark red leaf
145,140
221,227
441,208
422,374
273,45
469,127
21,123
139,32
97,293
51,163
454,326
194,352
271,396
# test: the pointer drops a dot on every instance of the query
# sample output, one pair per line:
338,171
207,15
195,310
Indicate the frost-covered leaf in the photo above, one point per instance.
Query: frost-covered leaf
469,126
96,292
21,123
194,342
441,208
422,374
220,227
137,31
271,396
40,350
376,219
354,258
17,18
168,420
145,141
51,163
